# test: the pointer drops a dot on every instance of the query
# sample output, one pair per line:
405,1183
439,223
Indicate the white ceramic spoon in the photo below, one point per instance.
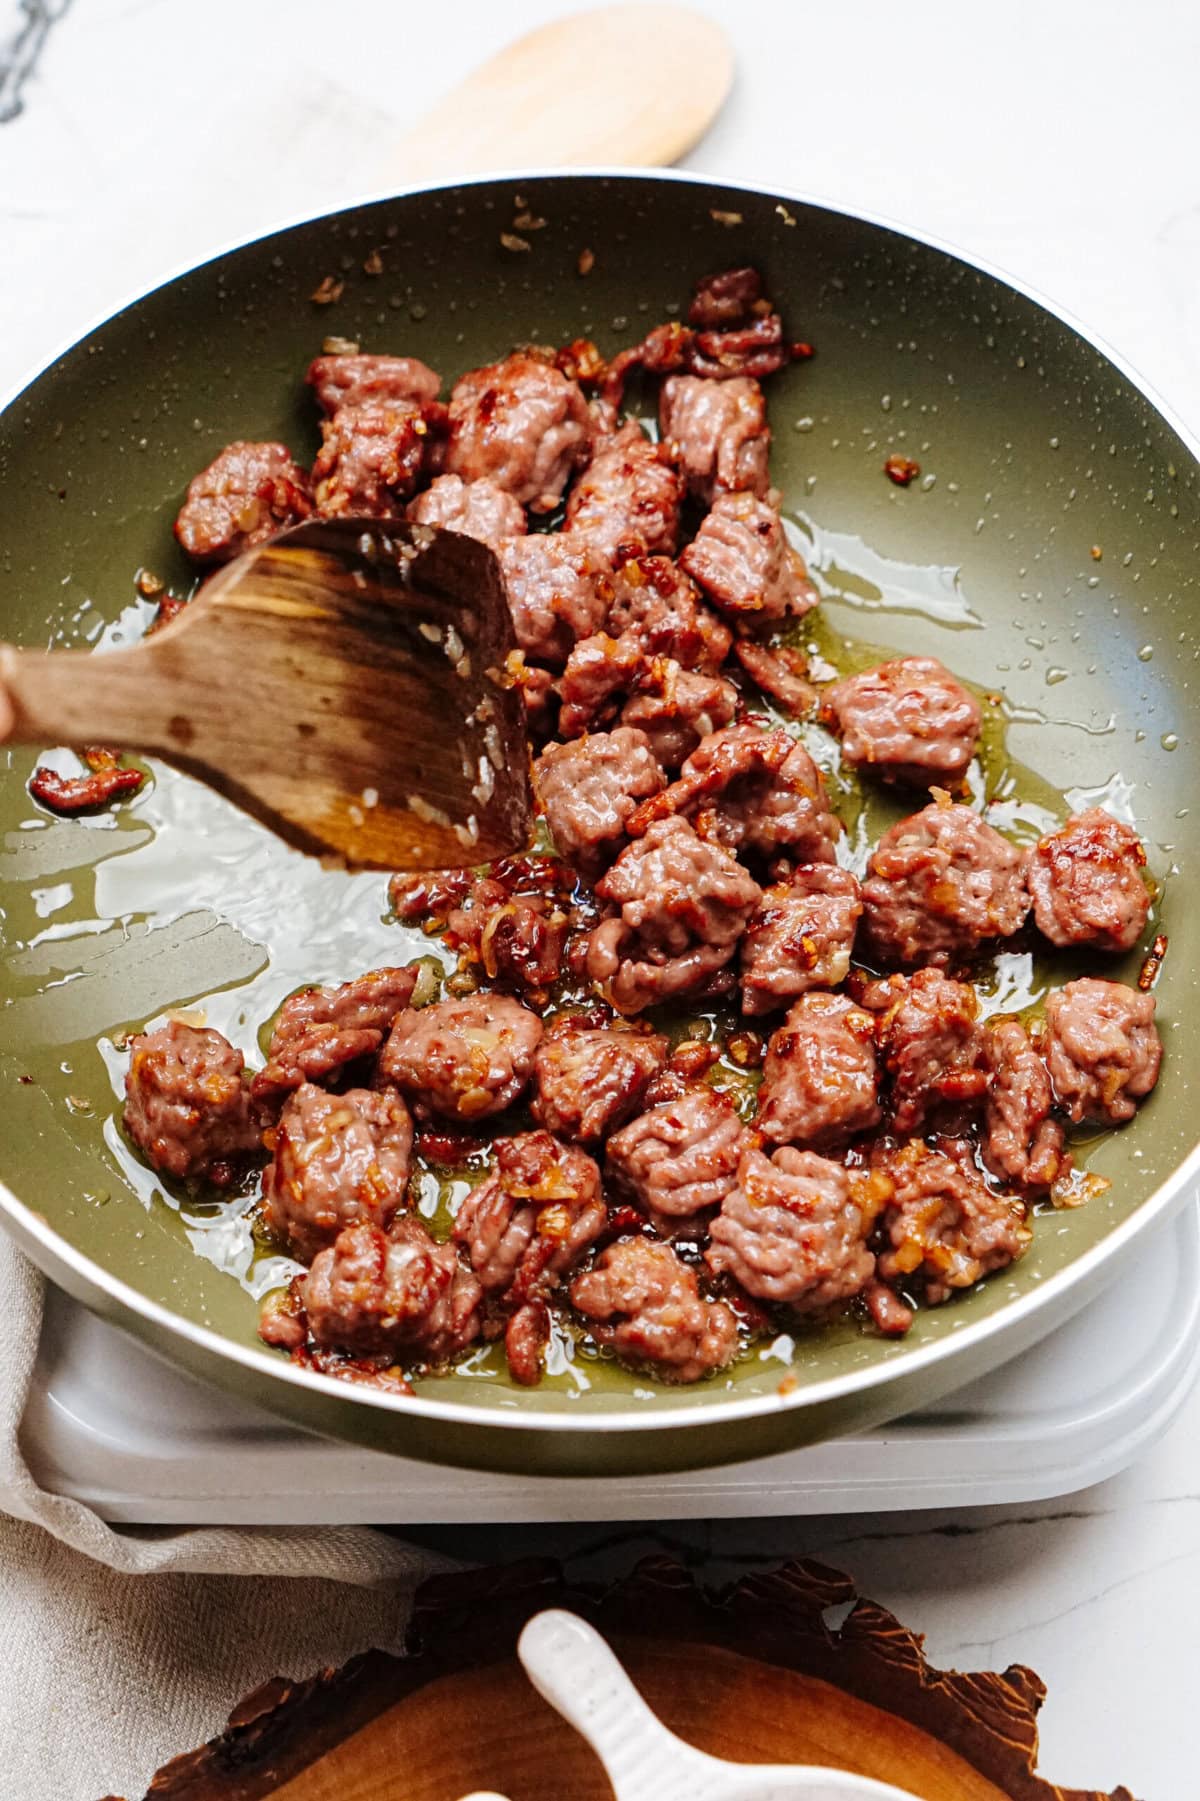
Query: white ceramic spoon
572,1667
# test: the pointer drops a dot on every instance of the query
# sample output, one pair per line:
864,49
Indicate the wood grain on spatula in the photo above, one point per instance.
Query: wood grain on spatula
345,684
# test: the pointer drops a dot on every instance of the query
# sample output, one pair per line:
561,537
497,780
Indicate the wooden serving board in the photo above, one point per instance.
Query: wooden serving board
753,1673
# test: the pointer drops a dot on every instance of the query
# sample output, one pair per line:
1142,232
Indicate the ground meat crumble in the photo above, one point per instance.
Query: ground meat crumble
844,1127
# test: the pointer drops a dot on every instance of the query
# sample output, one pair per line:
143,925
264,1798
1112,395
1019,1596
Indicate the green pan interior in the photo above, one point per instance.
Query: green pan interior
1047,553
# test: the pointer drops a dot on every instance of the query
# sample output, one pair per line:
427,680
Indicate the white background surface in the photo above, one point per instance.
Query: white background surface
1058,140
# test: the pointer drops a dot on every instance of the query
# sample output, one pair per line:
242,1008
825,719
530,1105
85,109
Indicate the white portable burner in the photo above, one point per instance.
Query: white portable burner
108,1423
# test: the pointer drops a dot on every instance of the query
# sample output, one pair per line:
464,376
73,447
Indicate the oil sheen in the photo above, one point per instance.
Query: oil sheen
179,902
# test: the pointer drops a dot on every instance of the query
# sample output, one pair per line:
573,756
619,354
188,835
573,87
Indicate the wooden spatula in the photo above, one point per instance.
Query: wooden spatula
314,681
345,683
635,84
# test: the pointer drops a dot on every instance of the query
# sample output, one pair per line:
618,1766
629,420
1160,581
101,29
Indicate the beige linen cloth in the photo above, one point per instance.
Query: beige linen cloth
119,1649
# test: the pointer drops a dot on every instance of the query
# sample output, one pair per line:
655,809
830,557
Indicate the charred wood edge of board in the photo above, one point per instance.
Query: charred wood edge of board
473,1618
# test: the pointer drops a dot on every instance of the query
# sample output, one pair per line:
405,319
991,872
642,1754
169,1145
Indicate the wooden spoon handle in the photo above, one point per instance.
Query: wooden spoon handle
636,85
72,697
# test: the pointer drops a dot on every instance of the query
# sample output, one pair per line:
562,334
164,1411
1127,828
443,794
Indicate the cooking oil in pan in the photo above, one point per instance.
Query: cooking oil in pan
237,921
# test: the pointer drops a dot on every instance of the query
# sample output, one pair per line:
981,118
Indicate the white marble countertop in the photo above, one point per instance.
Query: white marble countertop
1057,140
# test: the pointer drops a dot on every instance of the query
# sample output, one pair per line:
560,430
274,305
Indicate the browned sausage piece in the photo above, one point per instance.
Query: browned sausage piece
753,789
722,433
1103,1049
646,1305
908,721
477,509
610,679
600,673
727,298
682,906
551,579
588,1080
940,885
519,423
372,457
680,1158
340,1160
677,710
525,1339
321,1029
246,495
401,1296
628,498
71,794
514,925
743,561
801,936
928,1034
793,1230
1022,1142
653,601
353,379
944,1226
590,786
187,1106
781,671
1086,882
536,686
820,1079
463,1059
756,348
531,1221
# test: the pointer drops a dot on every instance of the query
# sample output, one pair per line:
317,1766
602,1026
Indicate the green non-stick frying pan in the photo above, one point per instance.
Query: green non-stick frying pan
1048,553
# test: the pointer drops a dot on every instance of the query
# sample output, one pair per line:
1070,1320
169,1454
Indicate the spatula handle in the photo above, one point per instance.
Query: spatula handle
74,698
631,84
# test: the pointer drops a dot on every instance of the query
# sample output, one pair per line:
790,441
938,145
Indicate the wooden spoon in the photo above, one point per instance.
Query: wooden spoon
345,683
636,85
312,684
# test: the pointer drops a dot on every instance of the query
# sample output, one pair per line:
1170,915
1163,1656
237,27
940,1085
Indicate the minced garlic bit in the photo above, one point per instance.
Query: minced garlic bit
336,346
527,221
720,218
586,262
370,798
1078,1187
788,218
432,632
511,241
328,290
423,810
485,787
428,986
373,265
